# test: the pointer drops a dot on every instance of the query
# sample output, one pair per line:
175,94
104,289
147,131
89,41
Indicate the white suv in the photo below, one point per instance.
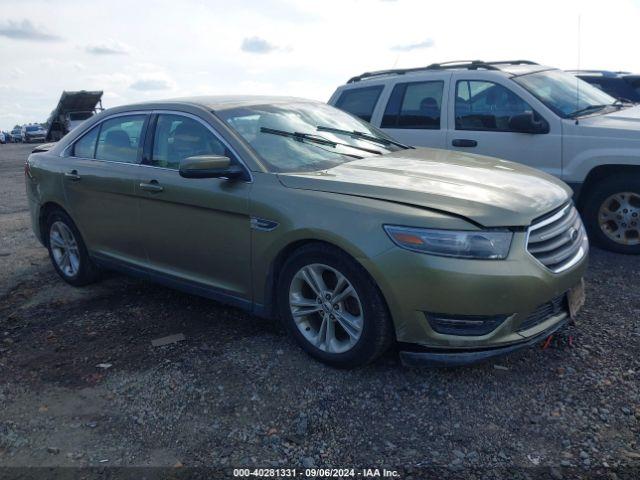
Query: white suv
519,111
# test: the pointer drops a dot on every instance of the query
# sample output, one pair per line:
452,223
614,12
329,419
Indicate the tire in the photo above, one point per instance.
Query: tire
602,197
375,333
82,272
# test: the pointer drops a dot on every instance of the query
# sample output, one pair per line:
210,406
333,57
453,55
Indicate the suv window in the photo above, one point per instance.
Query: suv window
360,101
484,105
86,146
119,139
178,137
414,105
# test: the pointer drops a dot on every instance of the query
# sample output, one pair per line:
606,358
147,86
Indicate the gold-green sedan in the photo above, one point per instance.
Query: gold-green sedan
291,208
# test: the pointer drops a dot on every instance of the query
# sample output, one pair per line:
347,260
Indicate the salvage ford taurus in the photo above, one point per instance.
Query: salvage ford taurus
292,208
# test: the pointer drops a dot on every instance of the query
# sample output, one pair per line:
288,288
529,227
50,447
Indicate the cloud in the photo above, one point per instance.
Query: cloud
257,45
26,30
151,84
428,43
108,48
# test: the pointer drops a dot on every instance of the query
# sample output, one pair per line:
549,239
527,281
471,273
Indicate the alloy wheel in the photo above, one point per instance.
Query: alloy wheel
619,218
326,308
64,249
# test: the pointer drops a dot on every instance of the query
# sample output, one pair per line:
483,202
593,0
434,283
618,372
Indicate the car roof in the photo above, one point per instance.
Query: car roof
510,67
225,102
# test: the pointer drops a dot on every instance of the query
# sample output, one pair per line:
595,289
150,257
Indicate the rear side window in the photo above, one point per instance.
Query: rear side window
178,137
360,101
484,105
86,146
415,105
119,139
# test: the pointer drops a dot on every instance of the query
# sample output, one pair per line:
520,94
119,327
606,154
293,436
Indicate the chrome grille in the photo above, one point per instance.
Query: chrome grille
558,240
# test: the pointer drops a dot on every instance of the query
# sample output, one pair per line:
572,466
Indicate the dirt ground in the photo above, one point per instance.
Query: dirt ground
238,392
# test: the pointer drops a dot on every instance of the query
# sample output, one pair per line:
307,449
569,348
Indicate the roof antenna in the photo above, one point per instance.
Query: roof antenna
577,78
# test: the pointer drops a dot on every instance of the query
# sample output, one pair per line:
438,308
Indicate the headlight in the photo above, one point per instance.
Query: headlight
484,245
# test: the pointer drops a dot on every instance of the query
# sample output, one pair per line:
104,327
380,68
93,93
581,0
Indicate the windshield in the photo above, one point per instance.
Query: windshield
33,129
300,153
564,93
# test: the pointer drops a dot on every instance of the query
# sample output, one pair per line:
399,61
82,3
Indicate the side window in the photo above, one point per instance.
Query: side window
120,138
178,137
414,105
360,101
484,105
86,146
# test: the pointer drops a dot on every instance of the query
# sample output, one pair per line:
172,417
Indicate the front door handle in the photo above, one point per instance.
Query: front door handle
463,142
153,186
72,175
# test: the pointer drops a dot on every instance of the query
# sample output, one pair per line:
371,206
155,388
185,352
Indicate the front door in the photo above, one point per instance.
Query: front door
195,230
480,112
100,181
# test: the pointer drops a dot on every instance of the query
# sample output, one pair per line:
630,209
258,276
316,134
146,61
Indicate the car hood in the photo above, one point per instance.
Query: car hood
627,119
485,190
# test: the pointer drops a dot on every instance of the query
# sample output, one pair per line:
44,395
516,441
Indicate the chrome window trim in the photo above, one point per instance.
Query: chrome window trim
211,129
66,150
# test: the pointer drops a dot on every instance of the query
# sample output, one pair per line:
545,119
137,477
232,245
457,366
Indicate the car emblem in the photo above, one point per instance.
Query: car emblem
573,234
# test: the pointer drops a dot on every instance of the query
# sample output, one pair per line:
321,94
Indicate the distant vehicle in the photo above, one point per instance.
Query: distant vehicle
33,133
73,108
16,135
524,112
3,139
624,86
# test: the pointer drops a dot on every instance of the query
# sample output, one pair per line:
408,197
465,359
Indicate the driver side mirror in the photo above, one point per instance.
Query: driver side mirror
209,166
526,123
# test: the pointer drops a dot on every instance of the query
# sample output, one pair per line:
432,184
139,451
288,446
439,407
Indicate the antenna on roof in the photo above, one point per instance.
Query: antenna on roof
577,79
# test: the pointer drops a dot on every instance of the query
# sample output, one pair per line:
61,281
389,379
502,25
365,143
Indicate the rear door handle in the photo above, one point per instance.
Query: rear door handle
463,142
153,186
72,175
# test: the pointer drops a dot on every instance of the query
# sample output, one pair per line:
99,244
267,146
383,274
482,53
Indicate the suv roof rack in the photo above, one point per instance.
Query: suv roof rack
468,64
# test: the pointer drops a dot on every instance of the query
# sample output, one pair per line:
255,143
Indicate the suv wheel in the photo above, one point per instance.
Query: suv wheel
332,307
612,214
68,252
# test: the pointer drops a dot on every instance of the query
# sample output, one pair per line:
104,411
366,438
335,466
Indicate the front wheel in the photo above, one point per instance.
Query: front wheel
612,214
332,307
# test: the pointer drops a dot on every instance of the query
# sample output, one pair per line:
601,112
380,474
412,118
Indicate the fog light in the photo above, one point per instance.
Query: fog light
464,325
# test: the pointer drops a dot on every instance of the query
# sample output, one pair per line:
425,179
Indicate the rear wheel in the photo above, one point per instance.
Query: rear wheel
68,252
332,307
612,214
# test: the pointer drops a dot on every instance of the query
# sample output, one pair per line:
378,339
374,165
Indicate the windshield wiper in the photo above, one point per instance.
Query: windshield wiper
589,109
363,136
317,139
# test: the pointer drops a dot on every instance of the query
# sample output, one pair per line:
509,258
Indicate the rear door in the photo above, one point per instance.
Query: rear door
195,230
100,184
480,108
413,111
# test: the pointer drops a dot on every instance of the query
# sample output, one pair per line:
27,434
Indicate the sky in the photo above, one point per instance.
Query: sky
138,50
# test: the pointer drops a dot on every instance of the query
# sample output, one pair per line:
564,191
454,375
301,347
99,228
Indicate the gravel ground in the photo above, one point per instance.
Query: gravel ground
238,392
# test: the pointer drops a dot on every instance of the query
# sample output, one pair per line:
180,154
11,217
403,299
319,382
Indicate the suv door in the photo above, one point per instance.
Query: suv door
99,182
196,230
413,111
481,109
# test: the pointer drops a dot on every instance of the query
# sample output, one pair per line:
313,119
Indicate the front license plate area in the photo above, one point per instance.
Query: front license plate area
575,298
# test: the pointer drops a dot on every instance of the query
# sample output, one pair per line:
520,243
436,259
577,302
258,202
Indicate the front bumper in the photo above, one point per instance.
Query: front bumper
416,284
467,357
